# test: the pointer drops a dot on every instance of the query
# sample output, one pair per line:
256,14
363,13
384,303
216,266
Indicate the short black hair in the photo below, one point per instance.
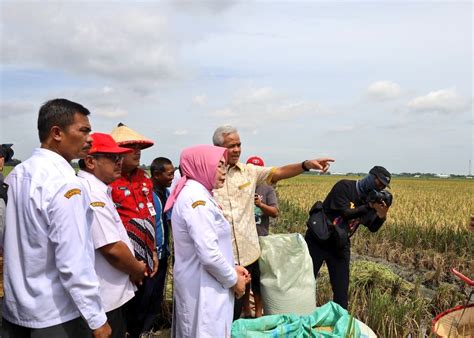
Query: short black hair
158,165
82,164
57,112
6,152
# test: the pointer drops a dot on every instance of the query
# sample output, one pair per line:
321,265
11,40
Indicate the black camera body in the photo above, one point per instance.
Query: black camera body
375,196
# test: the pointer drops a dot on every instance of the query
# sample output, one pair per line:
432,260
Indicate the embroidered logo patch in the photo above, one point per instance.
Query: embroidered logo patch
72,192
245,185
98,204
197,203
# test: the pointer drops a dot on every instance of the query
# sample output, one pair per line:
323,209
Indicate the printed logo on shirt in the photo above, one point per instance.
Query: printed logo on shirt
352,205
72,192
245,185
198,203
98,204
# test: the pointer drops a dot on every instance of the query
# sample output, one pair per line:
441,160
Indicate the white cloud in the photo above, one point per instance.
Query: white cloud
224,112
200,100
181,132
107,90
211,6
341,129
111,113
10,108
131,46
445,101
384,90
257,107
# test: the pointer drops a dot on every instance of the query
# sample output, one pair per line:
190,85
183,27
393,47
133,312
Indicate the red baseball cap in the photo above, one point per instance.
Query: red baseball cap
104,143
255,160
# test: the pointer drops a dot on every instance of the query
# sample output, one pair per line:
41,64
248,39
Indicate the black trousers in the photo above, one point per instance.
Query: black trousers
76,328
337,261
116,320
141,311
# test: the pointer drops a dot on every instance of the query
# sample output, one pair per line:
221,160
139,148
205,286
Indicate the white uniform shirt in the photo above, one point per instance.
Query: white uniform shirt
49,275
204,271
115,286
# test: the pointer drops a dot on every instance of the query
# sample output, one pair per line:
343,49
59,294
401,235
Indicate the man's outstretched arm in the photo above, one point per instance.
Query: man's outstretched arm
292,170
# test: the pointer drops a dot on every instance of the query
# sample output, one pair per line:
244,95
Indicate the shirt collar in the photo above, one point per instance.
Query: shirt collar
94,181
238,165
55,158
194,183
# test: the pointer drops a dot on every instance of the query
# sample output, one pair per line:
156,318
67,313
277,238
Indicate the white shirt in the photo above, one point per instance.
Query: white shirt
49,275
204,271
115,286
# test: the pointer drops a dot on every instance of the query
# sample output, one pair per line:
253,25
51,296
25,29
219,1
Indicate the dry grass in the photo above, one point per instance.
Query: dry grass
425,234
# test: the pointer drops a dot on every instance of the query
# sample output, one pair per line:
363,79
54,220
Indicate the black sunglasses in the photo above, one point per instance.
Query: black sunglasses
116,158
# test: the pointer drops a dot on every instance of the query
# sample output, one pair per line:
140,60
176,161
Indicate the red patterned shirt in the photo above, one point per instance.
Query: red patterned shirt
134,202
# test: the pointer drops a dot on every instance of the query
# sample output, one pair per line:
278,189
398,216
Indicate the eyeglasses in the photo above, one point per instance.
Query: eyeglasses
116,158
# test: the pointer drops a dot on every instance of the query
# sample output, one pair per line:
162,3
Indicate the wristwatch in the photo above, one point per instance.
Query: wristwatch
303,166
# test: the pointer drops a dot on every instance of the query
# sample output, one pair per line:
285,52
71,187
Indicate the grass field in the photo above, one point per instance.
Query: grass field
400,275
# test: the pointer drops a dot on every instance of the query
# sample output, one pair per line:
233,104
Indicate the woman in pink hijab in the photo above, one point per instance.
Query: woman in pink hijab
205,277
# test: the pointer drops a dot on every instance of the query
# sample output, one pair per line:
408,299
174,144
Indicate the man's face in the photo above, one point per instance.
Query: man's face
164,179
2,162
131,160
379,186
107,167
75,140
233,145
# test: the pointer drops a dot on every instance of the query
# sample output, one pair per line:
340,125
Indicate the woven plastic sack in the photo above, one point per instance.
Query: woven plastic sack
287,282
329,320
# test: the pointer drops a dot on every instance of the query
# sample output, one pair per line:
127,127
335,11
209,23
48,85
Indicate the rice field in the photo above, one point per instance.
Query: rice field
400,275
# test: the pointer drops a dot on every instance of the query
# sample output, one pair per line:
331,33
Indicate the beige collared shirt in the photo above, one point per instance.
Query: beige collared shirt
237,200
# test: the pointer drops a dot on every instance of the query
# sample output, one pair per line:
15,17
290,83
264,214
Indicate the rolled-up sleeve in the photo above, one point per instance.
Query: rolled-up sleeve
264,174
74,255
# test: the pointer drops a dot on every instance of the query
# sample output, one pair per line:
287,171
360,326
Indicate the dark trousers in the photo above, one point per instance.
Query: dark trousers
76,328
337,261
239,303
141,310
116,320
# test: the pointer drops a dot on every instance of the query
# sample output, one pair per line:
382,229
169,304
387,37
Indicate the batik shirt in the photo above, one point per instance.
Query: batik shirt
237,200
134,202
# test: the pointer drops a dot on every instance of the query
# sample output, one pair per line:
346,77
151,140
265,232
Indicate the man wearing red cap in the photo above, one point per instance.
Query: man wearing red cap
132,194
115,264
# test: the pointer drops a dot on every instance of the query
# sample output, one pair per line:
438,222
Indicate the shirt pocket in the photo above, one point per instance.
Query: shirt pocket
245,190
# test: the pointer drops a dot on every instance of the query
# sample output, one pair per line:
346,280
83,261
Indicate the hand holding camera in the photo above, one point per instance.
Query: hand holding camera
380,201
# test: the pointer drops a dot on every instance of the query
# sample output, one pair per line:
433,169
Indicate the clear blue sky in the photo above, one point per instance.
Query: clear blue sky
368,83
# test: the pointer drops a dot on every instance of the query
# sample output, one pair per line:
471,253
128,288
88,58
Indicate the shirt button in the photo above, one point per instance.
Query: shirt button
141,205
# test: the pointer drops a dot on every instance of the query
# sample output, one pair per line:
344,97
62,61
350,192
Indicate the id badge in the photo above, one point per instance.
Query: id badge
151,208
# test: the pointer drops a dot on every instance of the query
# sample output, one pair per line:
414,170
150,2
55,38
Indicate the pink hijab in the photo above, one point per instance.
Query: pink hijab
198,163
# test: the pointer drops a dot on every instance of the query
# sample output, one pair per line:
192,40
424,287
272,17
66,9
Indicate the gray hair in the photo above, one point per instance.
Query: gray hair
221,132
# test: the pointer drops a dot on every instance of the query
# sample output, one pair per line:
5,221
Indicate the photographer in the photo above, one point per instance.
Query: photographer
349,204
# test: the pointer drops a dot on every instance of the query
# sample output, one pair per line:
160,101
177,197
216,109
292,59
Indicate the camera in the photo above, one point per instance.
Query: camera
375,196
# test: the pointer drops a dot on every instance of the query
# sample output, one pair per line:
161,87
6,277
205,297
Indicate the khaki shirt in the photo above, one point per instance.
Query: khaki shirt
237,200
